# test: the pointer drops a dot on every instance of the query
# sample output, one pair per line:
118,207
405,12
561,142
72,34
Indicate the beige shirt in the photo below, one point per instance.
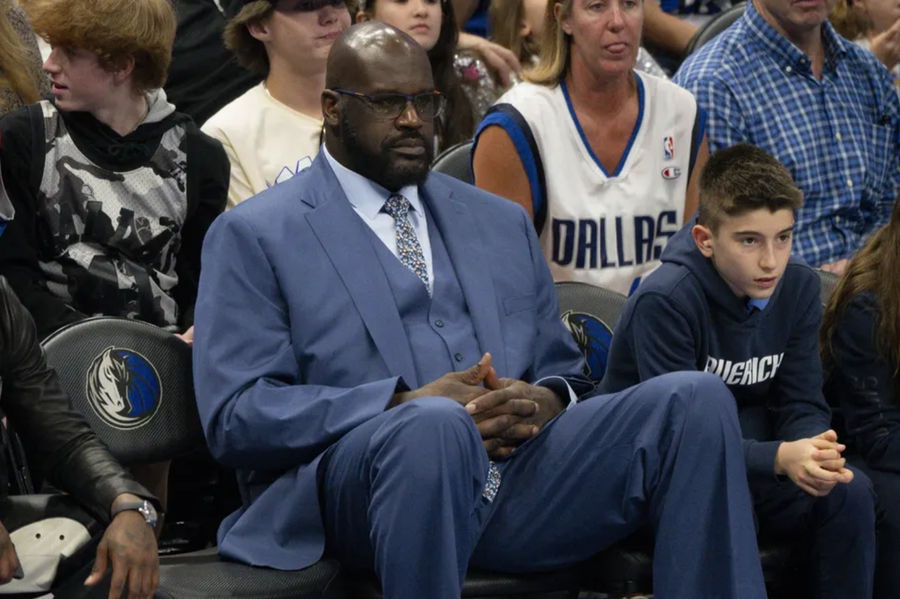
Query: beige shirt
266,141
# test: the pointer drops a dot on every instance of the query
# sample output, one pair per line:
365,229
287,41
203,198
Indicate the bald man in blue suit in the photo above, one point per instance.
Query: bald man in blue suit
378,352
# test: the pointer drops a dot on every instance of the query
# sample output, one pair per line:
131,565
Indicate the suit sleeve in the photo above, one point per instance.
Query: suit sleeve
19,243
555,353
863,381
255,407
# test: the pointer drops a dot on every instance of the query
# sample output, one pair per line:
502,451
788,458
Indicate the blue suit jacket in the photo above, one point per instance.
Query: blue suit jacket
298,339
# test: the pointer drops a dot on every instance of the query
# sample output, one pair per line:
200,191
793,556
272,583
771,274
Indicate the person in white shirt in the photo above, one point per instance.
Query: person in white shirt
272,131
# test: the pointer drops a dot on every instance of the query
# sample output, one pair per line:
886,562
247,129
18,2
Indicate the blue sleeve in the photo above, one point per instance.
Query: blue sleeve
797,398
863,381
653,338
516,127
254,406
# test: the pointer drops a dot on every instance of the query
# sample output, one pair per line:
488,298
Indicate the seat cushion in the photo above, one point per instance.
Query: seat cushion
202,574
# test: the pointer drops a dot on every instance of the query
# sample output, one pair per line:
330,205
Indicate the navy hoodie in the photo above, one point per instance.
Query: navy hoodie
685,317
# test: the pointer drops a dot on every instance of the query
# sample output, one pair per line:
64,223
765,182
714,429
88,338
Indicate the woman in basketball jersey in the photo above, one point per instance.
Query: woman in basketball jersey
604,158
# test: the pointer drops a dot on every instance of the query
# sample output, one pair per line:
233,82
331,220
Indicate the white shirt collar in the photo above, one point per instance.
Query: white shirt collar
365,195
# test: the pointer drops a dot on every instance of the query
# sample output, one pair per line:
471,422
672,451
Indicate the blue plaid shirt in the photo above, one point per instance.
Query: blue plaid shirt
838,136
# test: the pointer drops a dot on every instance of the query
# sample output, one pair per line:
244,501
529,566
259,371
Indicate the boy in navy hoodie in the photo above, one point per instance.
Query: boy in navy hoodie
729,299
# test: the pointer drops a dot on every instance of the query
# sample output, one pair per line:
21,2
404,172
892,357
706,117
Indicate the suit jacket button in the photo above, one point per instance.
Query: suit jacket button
439,323
458,357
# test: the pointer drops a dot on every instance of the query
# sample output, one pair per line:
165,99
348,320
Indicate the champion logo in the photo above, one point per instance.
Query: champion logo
123,388
671,172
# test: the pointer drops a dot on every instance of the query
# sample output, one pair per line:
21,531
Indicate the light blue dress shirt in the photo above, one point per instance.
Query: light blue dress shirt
368,198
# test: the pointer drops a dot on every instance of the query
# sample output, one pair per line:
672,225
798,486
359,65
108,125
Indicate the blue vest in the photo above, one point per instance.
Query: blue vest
439,328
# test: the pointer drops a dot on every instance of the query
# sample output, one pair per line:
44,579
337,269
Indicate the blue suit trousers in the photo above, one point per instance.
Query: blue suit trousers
402,493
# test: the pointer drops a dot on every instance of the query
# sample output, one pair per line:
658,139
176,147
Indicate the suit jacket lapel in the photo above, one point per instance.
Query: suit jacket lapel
462,236
346,241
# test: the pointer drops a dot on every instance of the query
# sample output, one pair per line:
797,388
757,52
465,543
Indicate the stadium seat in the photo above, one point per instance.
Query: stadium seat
591,314
456,161
714,27
829,282
101,362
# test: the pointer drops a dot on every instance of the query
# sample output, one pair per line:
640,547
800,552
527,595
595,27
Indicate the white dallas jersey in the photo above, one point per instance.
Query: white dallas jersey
606,229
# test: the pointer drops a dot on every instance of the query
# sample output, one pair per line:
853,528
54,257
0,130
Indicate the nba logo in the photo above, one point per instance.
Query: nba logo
669,147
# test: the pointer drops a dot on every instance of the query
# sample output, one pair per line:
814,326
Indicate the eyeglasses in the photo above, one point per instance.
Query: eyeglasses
427,105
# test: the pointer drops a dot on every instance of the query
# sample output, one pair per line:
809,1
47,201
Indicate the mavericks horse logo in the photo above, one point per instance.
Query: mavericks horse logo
123,388
593,338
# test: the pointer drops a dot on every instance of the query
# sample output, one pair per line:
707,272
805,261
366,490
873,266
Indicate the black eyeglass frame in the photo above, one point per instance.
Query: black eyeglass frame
370,101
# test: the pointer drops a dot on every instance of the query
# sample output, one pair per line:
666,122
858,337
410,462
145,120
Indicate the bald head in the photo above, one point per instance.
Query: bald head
371,47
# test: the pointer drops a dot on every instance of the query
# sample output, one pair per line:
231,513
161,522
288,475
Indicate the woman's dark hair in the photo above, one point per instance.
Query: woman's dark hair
874,269
457,123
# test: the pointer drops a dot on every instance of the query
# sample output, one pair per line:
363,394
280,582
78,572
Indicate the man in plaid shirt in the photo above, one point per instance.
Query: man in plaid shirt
782,79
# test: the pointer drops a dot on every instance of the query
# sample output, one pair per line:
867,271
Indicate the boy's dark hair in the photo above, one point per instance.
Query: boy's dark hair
741,179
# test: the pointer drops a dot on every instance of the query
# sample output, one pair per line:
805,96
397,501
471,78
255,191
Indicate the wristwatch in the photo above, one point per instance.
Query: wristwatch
143,507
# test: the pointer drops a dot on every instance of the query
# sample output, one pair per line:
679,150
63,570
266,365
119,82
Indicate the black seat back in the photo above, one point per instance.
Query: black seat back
829,282
591,314
132,381
714,27
456,161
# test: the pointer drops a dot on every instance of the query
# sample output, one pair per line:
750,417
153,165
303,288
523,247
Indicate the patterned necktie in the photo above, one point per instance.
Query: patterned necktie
408,249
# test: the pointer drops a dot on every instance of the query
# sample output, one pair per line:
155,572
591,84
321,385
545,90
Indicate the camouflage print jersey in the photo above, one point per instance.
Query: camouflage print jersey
110,238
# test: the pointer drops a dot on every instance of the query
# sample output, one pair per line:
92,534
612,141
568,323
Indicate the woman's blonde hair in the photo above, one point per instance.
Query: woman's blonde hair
14,55
114,30
553,60
506,18
848,21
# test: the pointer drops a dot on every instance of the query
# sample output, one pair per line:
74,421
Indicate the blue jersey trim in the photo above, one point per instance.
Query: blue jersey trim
511,120
697,138
634,132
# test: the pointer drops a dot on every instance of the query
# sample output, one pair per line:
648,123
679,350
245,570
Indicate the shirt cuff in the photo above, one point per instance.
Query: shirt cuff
560,386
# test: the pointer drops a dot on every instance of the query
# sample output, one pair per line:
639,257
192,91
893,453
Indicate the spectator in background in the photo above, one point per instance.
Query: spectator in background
272,131
873,25
860,337
519,25
780,78
605,159
460,76
21,79
204,75
113,190
472,21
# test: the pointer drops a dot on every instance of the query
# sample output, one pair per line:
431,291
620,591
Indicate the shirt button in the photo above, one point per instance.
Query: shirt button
788,69
458,357
849,182
837,136
439,323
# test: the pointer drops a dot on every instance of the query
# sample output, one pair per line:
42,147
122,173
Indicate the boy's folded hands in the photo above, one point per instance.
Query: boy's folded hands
814,464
